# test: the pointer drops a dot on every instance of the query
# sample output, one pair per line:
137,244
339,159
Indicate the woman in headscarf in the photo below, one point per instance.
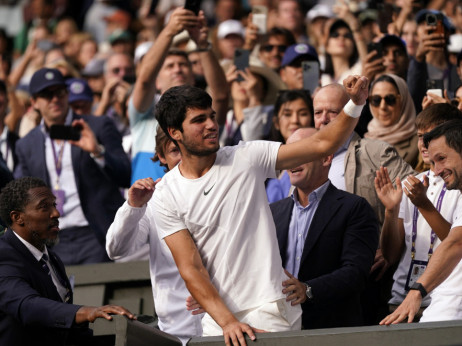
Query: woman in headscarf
394,116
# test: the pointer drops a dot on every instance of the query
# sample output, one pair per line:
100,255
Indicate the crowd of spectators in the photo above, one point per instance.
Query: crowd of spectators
103,66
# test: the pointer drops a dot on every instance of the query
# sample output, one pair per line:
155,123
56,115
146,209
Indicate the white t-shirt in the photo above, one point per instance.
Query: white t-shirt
227,213
131,230
449,210
447,297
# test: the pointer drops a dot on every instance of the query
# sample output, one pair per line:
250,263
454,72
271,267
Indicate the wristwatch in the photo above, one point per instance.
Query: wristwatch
419,287
309,293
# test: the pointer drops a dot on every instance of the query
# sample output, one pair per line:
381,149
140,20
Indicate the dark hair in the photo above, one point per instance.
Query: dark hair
451,130
437,114
329,69
278,31
162,141
15,196
175,102
384,78
177,52
285,96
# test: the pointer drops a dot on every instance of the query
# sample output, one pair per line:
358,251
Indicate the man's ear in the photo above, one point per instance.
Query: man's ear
174,133
16,218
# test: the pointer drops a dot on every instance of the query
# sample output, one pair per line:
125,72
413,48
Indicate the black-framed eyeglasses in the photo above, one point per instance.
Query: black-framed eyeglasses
269,48
376,100
336,34
48,94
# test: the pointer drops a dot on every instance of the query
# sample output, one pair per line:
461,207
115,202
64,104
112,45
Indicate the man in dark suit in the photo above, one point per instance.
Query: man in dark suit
327,240
35,294
85,174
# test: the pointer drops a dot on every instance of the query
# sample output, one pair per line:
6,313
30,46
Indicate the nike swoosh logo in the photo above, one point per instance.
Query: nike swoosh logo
207,192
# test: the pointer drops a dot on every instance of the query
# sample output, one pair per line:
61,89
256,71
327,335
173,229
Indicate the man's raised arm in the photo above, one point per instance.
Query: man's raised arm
196,277
326,141
145,86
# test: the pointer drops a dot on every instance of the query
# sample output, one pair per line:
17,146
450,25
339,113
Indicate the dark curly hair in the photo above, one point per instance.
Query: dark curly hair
15,196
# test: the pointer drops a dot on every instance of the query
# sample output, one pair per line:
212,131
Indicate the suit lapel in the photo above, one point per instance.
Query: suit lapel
75,155
326,210
35,265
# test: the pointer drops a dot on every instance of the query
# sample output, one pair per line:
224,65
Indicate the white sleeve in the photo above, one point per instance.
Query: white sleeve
129,231
261,155
166,216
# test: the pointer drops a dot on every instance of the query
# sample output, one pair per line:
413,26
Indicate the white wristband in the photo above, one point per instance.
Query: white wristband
353,110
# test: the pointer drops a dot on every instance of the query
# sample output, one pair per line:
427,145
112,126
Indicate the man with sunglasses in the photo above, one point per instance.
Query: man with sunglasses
273,46
85,174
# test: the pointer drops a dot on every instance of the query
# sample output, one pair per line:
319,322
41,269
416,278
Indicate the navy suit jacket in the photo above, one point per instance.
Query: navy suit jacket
337,256
31,310
98,187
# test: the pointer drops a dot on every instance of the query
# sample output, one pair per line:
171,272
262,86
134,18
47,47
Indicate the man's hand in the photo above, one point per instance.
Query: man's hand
251,34
91,313
294,290
87,141
180,20
430,42
417,191
357,89
388,195
372,65
200,32
193,306
408,308
234,333
141,192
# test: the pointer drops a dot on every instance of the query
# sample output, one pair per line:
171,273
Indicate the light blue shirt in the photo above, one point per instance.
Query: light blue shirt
299,225
337,168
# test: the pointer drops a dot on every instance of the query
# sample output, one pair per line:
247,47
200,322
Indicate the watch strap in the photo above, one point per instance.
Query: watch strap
419,287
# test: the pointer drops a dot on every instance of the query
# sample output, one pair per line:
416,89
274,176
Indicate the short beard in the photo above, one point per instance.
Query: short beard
191,149
41,243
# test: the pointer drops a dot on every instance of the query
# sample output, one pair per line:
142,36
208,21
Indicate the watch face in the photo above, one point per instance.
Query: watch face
309,294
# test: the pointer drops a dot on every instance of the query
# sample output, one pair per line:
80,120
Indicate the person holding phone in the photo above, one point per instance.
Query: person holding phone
85,174
431,59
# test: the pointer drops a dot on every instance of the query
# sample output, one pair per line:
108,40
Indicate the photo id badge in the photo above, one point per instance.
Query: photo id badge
415,271
60,198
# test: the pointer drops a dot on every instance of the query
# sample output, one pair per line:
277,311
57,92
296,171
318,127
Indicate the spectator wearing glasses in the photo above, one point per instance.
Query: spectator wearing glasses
342,56
273,46
85,174
394,116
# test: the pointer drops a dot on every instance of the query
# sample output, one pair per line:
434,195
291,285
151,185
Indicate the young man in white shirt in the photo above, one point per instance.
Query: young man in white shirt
212,211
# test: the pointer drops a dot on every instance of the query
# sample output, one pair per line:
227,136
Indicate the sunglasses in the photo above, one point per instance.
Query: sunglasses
48,94
376,100
126,70
269,48
455,101
337,34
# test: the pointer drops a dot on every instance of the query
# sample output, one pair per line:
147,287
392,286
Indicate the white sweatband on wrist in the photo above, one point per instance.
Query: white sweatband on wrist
353,110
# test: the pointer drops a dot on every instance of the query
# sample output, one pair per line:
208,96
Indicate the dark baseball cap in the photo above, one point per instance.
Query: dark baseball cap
45,78
422,14
79,90
394,40
298,50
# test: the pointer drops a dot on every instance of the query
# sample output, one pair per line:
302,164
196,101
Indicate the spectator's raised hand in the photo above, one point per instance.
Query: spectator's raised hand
416,191
430,42
251,86
251,34
200,32
181,19
432,99
372,65
357,88
141,192
388,195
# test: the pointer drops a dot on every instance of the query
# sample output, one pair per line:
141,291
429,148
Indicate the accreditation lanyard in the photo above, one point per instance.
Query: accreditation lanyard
433,234
58,158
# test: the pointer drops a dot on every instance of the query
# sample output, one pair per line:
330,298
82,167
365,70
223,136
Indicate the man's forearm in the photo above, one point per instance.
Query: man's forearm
444,260
216,80
145,86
